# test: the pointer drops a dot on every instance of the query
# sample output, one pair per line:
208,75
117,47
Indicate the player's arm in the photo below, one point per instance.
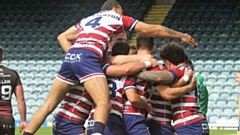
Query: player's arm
161,31
136,100
162,77
66,37
21,105
127,68
169,93
120,59
183,80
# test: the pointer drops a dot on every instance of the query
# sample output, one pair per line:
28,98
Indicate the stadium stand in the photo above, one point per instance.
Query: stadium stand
215,25
28,31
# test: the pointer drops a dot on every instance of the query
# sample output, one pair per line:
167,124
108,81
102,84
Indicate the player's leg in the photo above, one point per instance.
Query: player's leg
55,96
98,89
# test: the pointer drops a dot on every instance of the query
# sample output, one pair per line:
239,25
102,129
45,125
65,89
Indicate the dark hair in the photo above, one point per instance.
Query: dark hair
145,42
1,51
120,48
172,52
190,64
133,47
109,4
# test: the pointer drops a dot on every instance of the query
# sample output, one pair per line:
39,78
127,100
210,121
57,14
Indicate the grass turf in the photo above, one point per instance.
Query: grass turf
48,131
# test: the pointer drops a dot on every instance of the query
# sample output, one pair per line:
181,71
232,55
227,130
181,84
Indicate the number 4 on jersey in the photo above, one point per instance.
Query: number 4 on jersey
94,22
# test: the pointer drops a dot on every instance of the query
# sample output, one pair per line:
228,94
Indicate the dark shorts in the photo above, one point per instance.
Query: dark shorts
7,125
134,125
197,128
62,126
113,126
160,129
80,64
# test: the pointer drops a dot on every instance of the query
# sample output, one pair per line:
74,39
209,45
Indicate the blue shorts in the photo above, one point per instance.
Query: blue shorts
113,126
160,129
80,64
198,128
62,126
134,125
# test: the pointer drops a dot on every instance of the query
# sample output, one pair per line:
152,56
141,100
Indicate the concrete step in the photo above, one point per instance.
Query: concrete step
153,19
157,16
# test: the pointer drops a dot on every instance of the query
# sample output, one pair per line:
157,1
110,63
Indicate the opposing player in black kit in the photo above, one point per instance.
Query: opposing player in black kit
10,83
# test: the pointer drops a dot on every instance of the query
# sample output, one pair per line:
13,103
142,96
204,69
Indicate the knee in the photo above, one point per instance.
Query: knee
106,104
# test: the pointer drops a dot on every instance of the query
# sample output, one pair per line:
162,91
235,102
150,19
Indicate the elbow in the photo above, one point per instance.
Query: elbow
126,71
133,100
167,97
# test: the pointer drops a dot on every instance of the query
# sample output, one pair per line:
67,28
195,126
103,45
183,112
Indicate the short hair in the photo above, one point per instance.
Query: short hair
172,52
109,4
190,64
145,42
120,48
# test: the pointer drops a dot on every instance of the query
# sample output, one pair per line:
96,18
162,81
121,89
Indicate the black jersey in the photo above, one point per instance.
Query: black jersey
9,79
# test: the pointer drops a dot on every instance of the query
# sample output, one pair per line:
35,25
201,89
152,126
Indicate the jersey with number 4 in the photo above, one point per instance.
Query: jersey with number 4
117,86
95,31
9,79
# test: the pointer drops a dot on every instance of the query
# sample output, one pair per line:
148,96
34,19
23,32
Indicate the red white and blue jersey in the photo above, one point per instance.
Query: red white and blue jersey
162,112
143,89
95,31
117,86
76,105
186,108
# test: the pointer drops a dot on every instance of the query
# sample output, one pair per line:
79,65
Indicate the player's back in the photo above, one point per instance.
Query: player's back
95,31
9,79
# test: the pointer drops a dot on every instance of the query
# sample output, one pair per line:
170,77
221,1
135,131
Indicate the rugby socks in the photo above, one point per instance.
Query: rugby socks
98,128
26,133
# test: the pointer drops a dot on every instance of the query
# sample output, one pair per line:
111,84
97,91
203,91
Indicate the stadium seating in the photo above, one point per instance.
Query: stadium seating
214,25
29,30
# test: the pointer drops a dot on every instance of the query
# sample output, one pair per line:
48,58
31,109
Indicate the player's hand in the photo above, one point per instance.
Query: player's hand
23,125
193,82
188,39
189,73
154,62
149,107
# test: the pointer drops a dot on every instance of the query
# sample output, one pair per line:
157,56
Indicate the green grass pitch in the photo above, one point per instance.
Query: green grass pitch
48,131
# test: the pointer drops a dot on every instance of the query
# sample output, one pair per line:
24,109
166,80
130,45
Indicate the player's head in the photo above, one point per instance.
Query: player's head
120,48
190,64
145,42
1,54
122,37
172,54
132,50
238,77
112,5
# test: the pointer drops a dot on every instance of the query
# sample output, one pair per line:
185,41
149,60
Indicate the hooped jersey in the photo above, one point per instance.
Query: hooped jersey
186,109
9,80
117,86
143,89
95,31
76,105
162,112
